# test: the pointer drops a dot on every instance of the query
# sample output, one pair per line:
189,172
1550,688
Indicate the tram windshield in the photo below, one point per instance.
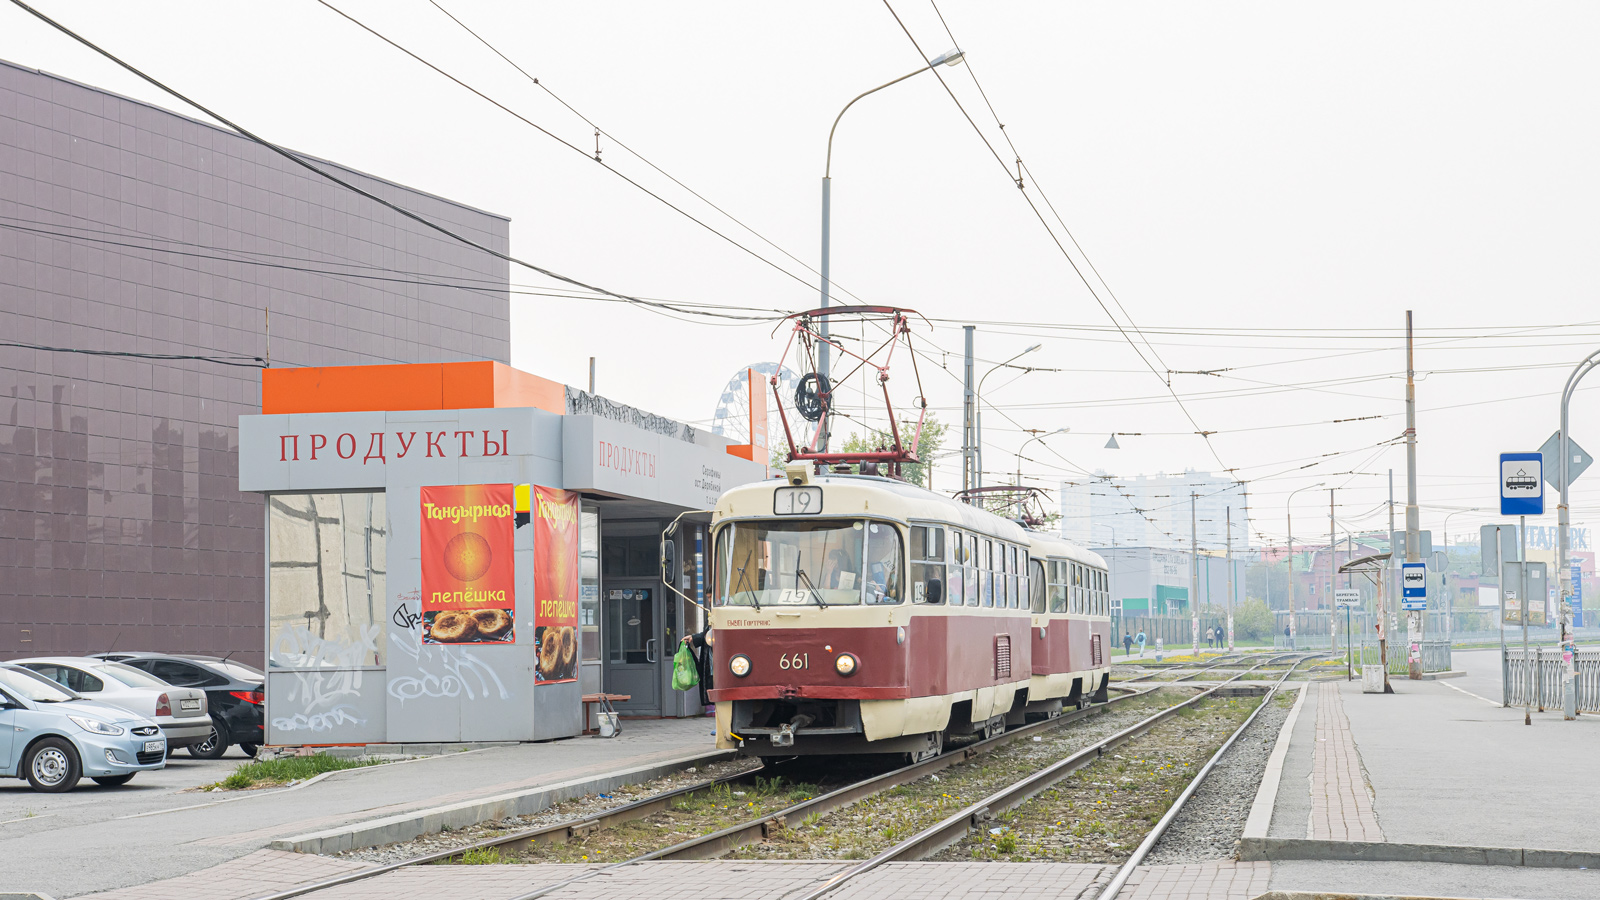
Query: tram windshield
809,563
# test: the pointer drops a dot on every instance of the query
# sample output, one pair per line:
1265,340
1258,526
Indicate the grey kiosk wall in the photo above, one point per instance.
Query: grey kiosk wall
346,663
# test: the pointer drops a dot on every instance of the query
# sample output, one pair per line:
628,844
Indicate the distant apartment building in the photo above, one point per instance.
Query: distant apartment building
128,228
1154,511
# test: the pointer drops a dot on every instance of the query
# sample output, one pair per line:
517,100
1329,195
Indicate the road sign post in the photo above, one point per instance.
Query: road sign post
1522,495
1348,598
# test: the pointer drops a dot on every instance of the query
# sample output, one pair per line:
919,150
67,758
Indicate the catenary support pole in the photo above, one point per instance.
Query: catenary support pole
1230,579
1333,569
969,423
1569,692
823,347
1500,580
1413,515
1194,577
1388,591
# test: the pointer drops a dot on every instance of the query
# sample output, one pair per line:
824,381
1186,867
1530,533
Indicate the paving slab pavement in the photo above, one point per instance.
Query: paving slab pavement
1431,764
726,880
146,837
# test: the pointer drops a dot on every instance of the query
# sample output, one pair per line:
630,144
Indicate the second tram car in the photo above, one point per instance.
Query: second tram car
861,614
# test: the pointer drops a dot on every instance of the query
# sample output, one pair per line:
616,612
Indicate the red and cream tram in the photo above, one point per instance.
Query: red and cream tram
860,614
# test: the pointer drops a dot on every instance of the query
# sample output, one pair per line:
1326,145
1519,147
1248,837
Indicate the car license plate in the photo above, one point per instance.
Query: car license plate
154,746
188,704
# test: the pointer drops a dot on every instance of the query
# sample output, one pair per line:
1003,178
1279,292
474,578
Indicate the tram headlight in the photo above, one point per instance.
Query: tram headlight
739,665
846,664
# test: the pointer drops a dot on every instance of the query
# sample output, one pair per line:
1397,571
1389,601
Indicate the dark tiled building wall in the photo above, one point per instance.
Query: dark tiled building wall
128,228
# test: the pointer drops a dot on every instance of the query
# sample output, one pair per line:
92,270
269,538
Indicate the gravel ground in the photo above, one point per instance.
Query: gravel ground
1212,821
572,810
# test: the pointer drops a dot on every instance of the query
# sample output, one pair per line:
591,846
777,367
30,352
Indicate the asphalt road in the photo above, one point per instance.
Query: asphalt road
147,790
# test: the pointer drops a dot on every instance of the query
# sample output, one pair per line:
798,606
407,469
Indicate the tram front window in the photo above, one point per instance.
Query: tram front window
816,563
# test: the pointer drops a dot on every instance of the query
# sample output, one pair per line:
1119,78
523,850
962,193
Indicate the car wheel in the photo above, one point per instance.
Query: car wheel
114,780
52,766
249,750
214,745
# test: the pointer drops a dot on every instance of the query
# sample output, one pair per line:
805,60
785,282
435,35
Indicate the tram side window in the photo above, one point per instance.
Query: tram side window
986,573
928,582
1008,560
952,586
969,572
1078,605
1058,586
1038,586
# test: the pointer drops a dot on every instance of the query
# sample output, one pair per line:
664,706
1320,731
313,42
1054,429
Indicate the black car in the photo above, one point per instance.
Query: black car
235,696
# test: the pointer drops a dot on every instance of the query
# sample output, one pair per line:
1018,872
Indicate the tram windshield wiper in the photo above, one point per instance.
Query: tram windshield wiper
755,596
800,573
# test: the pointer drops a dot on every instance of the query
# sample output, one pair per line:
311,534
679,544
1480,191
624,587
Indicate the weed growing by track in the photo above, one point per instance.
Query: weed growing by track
271,772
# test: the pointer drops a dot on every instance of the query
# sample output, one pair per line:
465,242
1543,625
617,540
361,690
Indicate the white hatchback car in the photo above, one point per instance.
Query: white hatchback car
181,712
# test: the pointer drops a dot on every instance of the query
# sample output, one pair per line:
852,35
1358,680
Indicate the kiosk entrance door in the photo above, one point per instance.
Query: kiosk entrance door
635,644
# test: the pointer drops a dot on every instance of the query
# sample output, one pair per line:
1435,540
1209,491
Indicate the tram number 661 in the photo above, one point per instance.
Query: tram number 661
794,661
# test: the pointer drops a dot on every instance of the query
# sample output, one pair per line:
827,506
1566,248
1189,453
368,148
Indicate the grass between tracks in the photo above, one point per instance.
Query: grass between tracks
1100,813
702,812
272,772
878,822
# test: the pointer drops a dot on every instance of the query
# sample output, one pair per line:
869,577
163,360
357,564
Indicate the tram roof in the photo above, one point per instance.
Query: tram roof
910,502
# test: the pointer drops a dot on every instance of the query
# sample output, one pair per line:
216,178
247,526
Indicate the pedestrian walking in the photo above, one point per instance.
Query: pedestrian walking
1209,636
1140,641
1127,644
1288,638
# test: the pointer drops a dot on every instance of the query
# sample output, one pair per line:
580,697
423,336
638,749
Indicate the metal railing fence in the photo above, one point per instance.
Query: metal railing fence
1535,679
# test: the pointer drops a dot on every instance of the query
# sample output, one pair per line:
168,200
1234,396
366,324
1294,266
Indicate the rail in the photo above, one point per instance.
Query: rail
952,829
714,844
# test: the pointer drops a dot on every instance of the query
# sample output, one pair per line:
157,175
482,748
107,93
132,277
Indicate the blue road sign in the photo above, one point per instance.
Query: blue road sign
1413,586
1522,484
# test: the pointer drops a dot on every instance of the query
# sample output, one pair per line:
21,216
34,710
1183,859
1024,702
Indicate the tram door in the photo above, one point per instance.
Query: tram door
635,644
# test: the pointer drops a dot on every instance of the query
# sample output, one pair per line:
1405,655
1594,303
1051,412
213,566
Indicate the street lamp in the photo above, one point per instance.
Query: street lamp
1037,437
949,58
977,402
1288,515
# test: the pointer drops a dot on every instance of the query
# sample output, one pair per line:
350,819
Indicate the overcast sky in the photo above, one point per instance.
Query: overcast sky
1264,187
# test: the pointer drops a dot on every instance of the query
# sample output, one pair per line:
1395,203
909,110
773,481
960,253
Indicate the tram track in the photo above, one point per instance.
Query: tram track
720,841
925,843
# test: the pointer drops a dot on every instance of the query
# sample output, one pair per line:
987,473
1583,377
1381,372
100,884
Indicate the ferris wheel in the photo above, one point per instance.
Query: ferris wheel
732,419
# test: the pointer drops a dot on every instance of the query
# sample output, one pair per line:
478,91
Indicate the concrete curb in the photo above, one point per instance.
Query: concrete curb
1252,849
1343,895
1435,676
1267,795
405,826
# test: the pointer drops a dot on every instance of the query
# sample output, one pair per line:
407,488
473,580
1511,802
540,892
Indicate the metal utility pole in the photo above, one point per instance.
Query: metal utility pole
1383,596
968,408
1194,576
1333,574
1230,579
1414,618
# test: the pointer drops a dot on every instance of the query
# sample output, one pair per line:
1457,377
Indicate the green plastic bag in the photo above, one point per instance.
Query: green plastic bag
685,674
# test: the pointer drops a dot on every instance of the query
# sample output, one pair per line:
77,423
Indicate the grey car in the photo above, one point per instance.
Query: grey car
179,711
52,736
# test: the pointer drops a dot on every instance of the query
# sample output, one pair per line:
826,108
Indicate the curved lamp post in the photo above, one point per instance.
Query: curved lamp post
949,58
1288,515
1569,694
977,402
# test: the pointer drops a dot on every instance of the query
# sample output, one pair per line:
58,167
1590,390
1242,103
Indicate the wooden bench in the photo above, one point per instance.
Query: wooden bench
601,703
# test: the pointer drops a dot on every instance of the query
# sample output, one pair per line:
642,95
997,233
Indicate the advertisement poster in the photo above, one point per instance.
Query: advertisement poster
468,591
556,542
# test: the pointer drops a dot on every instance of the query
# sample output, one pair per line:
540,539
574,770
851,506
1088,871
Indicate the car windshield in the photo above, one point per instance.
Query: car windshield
808,563
33,687
130,676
